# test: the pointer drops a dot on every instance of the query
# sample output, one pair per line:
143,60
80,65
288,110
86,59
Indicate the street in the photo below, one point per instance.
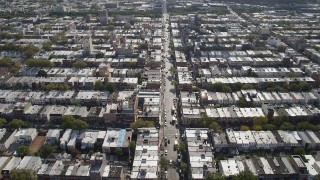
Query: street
168,130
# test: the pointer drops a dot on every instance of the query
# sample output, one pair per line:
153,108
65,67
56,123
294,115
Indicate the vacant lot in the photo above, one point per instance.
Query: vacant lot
36,144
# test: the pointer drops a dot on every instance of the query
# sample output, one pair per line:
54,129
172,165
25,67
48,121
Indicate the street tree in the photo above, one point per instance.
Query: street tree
172,70
182,147
184,167
164,163
132,146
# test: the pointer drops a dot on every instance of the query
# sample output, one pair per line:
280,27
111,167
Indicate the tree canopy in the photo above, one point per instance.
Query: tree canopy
208,122
42,73
57,86
247,175
18,123
23,174
23,151
73,123
215,176
39,63
2,122
164,163
9,63
47,149
80,64
140,123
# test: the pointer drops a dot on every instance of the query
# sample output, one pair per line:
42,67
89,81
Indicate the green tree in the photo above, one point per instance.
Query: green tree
259,121
119,151
182,147
184,167
23,174
47,46
269,127
132,146
247,86
304,86
298,151
2,122
30,51
140,123
23,151
220,87
111,27
245,175
278,120
127,26
257,127
174,83
243,102
17,123
56,86
215,127
305,125
39,63
164,163
80,64
215,176
237,86
111,87
42,73
6,62
205,122
73,123
172,70
282,48
294,87
287,126
47,149
244,128
99,85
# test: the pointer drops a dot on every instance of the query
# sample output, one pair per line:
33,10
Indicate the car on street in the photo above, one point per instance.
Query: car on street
166,152
176,135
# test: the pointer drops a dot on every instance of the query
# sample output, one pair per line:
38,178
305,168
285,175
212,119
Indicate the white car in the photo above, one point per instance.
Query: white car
166,152
176,135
